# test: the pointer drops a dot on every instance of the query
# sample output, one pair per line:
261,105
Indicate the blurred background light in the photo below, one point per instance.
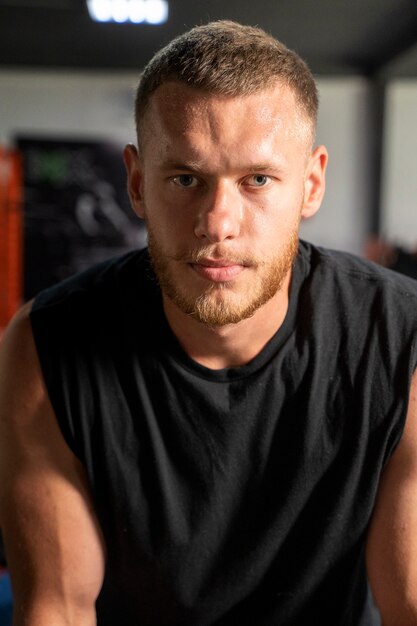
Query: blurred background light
134,11
137,11
120,11
156,11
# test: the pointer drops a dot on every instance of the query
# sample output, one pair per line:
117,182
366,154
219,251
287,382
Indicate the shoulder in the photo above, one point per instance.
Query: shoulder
19,366
96,299
103,278
354,271
17,341
23,397
353,289
363,318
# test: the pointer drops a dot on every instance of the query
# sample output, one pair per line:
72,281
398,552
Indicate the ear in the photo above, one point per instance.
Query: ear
315,182
134,179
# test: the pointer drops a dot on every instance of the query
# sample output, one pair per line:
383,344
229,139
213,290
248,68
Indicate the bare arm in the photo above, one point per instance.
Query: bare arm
392,541
53,542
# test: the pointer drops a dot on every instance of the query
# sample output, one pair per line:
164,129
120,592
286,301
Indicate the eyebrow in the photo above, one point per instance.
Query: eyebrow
195,166
180,165
262,167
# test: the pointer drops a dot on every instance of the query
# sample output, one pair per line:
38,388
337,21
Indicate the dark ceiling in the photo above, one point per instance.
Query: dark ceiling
376,38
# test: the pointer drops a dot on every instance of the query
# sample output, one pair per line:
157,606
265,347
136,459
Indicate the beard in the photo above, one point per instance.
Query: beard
220,304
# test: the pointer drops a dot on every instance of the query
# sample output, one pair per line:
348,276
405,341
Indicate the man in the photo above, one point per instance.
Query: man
235,440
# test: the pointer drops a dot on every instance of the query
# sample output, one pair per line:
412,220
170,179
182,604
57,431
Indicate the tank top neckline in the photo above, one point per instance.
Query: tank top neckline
172,349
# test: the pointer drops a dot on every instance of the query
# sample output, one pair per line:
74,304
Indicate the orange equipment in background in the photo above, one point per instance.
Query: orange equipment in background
11,235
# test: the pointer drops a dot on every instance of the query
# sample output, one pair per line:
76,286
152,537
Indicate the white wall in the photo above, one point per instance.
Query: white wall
399,203
77,105
99,105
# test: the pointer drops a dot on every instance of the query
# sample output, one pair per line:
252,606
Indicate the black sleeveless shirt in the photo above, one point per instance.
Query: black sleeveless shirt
239,496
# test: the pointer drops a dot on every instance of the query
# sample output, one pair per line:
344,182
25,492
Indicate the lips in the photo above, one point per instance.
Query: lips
218,270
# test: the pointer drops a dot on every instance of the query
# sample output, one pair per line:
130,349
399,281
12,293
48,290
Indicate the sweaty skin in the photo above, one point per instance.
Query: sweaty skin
226,179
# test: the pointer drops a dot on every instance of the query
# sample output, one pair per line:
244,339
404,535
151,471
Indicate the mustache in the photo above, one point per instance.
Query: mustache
215,252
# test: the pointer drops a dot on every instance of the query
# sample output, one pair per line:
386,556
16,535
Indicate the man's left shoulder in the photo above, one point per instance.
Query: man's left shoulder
359,273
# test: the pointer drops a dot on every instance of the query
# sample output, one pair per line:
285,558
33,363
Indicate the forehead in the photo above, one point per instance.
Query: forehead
182,113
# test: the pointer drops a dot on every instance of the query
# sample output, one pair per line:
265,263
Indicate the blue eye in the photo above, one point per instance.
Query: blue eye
185,180
259,180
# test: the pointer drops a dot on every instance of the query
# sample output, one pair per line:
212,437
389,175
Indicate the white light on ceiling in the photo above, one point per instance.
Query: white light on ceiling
135,11
99,11
120,11
156,11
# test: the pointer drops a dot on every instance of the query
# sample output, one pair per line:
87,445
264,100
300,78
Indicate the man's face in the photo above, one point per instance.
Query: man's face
222,183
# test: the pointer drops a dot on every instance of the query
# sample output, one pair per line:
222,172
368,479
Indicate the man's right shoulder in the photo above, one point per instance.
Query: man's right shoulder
19,367
17,337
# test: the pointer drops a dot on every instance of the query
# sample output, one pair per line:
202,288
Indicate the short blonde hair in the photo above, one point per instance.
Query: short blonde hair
227,58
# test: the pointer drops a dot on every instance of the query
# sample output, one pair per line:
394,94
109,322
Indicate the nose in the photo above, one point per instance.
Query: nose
220,213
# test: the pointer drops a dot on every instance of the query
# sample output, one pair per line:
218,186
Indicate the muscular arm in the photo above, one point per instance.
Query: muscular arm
392,541
53,542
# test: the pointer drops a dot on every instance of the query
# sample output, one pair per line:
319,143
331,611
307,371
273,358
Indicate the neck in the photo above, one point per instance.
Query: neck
233,345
